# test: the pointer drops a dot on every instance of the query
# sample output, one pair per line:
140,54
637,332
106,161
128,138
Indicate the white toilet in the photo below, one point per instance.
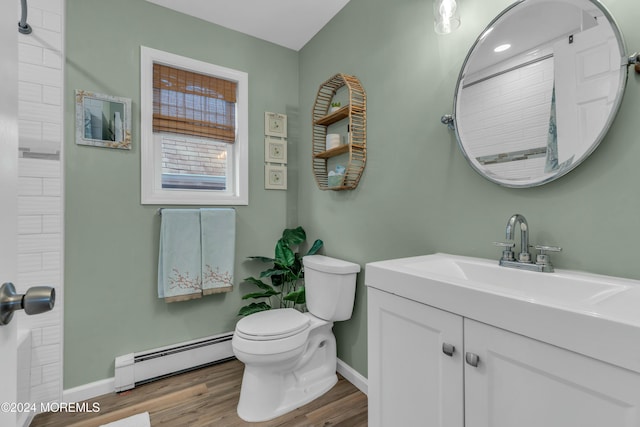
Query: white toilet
289,356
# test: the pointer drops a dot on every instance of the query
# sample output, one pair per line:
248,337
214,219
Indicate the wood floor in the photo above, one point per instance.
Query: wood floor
344,405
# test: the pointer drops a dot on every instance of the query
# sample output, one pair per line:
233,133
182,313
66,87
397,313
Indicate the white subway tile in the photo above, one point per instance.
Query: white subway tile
47,392
51,373
39,74
52,59
30,224
36,337
44,38
52,261
40,278
38,167
50,318
36,375
30,54
29,186
52,224
51,187
41,62
51,335
52,95
39,112
30,91
28,263
38,243
47,5
29,130
45,354
34,18
52,21
33,205
52,132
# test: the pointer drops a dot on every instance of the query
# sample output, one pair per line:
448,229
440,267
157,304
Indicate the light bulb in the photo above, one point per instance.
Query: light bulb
446,16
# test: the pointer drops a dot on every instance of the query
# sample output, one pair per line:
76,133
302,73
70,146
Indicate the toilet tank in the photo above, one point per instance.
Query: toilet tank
330,287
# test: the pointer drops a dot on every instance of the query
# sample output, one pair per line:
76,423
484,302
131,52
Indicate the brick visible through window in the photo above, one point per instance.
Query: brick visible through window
204,160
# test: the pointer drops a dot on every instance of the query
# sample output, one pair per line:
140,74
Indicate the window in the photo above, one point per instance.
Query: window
194,131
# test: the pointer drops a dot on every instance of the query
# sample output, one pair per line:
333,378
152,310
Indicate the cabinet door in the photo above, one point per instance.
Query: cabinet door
527,383
412,382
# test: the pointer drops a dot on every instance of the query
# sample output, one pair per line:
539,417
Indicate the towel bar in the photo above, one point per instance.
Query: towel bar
159,211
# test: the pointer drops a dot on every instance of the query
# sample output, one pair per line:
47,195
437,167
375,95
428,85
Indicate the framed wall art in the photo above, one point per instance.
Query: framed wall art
275,150
275,125
103,120
275,177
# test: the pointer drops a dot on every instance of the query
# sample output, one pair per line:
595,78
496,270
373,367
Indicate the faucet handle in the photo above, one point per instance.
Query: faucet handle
543,257
507,252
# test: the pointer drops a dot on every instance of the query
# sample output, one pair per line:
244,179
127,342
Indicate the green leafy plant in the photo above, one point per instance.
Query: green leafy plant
286,275
335,104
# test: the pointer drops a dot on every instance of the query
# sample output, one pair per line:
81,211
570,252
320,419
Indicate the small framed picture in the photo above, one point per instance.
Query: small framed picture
275,177
275,124
103,120
275,150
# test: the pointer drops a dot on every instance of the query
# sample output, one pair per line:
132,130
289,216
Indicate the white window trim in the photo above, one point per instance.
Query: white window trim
152,192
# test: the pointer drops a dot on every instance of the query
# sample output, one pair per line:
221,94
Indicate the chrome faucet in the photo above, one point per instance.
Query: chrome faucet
524,255
543,262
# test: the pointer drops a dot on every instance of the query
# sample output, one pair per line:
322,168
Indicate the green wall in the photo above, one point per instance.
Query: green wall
418,195
111,241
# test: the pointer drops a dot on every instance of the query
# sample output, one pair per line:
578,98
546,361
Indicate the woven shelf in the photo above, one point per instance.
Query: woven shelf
341,149
334,117
356,147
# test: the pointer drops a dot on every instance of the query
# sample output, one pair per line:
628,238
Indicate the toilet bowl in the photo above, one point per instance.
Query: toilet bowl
290,357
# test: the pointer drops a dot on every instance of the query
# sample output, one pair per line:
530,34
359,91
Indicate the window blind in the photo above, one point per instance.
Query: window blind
195,104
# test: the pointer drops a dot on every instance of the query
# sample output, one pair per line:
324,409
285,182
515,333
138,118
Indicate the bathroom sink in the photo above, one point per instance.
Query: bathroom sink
560,287
596,315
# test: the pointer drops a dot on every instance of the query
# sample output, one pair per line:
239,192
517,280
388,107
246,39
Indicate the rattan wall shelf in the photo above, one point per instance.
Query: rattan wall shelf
356,146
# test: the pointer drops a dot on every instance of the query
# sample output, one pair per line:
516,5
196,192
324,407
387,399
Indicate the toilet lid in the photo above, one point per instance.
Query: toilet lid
273,324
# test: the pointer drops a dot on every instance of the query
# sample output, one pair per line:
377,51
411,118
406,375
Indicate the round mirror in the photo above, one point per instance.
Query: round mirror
539,89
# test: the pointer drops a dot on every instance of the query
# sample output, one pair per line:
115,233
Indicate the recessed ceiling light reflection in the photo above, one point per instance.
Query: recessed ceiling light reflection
486,33
502,48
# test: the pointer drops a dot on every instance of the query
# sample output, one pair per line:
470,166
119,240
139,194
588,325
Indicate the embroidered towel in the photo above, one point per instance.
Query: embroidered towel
218,236
179,261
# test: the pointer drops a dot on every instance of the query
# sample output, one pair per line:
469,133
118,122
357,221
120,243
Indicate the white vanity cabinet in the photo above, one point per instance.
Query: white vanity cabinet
411,381
524,382
518,381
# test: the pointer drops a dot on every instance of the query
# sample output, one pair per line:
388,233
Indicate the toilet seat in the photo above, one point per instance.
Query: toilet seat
272,331
272,324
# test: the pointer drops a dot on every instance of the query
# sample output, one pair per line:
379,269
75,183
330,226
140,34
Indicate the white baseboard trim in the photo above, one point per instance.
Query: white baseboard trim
89,391
106,386
353,376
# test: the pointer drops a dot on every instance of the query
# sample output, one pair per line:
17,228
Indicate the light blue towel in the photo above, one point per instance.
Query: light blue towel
218,228
197,253
179,267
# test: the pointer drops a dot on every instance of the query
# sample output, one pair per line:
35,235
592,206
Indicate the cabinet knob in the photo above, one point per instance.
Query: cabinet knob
448,349
472,359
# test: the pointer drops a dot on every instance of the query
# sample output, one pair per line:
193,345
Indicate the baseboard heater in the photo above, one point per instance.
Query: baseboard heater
139,368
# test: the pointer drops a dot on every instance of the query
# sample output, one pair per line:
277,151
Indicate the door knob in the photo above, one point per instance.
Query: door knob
36,300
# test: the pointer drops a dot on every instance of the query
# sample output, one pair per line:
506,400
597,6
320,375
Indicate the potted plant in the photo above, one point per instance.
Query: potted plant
286,275
335,106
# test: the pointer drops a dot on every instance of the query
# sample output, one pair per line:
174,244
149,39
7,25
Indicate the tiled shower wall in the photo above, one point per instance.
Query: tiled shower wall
40,200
